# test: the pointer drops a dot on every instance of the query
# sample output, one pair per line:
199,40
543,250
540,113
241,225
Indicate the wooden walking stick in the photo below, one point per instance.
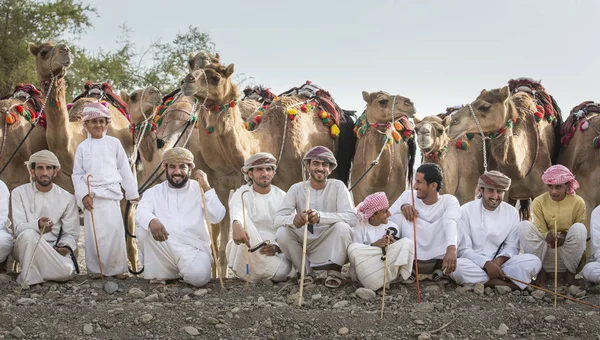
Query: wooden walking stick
551,292
555,261
247,252
94,227
303,269
385,269
24,285
412,195
212,242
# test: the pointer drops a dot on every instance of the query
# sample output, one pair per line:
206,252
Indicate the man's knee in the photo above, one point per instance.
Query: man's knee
462,266
198,274
525,228
343,229
530,261
28,235
578,231
591,272
285,236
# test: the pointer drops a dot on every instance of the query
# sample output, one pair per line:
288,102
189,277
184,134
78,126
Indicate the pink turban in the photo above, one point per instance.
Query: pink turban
560,174
372,204
96,110
323,154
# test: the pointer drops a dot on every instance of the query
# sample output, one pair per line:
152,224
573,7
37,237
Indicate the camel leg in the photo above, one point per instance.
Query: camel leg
224,232
132,251
215,237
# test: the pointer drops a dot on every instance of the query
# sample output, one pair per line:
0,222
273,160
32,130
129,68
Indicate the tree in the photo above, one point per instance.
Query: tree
23,21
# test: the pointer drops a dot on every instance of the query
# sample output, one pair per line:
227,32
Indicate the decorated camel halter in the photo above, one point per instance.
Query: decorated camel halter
139,136
483,137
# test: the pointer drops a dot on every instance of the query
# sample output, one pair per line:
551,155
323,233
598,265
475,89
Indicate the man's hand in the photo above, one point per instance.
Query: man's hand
409,212
270,250
200,176
493,270
383,242
313,216
45,221
561,238
550,238
61,249
449,262
300,220
158,230
240,236
88,202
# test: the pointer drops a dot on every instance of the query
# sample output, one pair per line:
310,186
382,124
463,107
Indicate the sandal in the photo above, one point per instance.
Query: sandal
308,279
439,276
334,276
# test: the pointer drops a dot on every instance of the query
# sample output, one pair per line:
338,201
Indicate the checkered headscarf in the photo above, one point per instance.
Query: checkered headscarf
372,204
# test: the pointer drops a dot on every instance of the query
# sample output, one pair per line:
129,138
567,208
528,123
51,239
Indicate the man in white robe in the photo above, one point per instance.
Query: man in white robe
329,218
6,238
489,246
375,235
173,237
591,271
259,200
104,158
437,219
42,206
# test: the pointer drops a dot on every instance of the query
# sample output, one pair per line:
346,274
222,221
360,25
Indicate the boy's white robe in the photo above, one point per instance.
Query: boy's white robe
106,160
6,238
591,271
366,265
260,212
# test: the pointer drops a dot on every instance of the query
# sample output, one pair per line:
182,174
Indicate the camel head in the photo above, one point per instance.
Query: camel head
142,102
491,109
432,132
212,85
379,106
51,59
202,59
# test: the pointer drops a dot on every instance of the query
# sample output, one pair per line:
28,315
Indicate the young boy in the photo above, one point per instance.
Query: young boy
104,158
371,237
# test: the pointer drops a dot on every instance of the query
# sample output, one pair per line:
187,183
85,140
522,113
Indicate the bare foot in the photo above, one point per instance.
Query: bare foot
570,279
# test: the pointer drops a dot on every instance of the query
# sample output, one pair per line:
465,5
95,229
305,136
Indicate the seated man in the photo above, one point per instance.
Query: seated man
437,219
329,216
372,235
173,239
562,209
489,246
260,201
42,207
6,239
591,271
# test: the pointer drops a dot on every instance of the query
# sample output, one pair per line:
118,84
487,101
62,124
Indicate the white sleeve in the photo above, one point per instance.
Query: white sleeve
511,244
129,183
403,199
4,202
465,247
70,224
216,210
344,209
595,232
78,177
287,210
235,205
19,216
144,213
452,215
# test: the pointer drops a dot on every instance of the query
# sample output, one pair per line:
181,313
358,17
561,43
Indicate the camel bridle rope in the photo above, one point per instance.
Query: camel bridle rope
137,138
483,137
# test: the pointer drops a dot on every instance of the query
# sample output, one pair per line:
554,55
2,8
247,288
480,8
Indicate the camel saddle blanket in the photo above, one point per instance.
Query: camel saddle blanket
321,96
579,117
259,93
103,91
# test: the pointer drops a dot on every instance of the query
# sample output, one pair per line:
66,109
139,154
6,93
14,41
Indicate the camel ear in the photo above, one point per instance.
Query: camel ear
504,93
366,97
33,49
218,57
191,61
229,71
416,120
482,91
125,96
446,121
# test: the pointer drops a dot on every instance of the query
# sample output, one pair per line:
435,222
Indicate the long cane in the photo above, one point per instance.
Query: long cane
555,261
551,292
412,195
385,270
94,227
24,285
302,270
247,252
212,242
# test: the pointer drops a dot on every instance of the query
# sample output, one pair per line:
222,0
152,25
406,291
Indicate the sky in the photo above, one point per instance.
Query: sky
437,53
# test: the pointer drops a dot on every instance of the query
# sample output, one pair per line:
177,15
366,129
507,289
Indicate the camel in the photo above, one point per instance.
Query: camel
384,129
18,111
460,161
520,122
581,151
64,129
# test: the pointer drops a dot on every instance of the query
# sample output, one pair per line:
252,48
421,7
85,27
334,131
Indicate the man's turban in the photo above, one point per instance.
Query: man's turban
494,180
178,155
43,157
259,159
372,204
323,154
560,174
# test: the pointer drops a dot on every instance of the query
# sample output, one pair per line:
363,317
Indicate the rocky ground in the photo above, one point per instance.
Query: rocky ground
135,309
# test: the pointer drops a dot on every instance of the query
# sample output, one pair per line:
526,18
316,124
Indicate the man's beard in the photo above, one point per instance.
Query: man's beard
316,176
181,184
46,181
263,184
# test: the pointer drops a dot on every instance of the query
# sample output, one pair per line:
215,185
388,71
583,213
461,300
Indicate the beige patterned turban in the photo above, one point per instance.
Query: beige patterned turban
178,155
43,157
494,180
259,159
